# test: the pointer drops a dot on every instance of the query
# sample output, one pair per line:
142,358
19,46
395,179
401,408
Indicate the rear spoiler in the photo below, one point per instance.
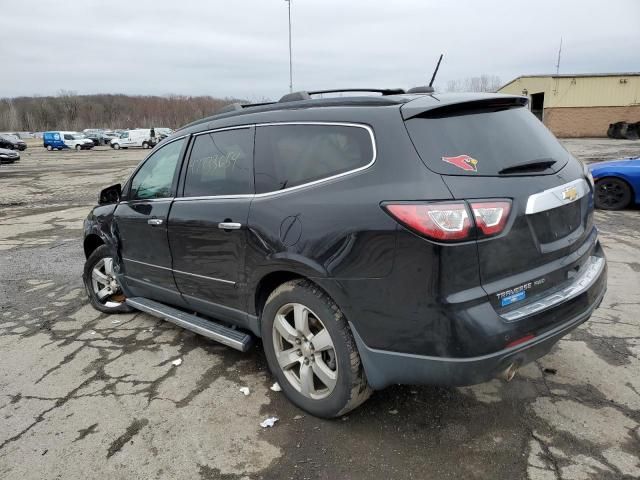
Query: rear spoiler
434,106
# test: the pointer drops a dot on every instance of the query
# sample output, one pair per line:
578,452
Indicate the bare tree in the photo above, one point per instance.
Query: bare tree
483,83
69,111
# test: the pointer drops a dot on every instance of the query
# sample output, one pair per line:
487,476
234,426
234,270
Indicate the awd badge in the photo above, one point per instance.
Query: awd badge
465,162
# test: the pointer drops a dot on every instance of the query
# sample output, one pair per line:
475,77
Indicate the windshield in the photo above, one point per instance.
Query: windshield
124,135
482,142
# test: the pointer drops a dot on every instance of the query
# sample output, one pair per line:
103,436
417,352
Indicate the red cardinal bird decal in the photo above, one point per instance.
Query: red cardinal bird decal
465,162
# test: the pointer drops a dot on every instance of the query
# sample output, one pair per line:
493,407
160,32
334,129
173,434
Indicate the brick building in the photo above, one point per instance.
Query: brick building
580,105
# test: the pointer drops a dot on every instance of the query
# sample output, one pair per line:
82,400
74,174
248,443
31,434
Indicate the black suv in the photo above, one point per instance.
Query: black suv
367,240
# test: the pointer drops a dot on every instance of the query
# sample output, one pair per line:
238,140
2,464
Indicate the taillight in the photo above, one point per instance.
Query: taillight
491,217
450,221
440,221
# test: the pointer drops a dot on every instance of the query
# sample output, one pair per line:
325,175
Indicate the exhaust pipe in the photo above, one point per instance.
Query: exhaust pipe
508,373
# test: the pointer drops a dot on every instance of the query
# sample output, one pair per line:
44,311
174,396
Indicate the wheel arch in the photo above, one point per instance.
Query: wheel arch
272,280
91,243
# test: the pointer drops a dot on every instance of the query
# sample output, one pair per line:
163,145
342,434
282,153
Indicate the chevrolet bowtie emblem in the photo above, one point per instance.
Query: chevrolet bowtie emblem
570,194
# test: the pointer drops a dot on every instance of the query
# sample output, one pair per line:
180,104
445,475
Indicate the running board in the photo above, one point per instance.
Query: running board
225,335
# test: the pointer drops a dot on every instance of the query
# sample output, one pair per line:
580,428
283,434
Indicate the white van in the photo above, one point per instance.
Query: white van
59,140
140,137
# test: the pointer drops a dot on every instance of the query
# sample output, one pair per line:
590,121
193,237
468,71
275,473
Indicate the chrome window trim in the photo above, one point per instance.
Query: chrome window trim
581,284
223,129
552,198
179,271
142,200
296,187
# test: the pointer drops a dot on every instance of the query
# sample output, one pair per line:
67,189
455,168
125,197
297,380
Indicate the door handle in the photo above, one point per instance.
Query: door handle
154,221
229,226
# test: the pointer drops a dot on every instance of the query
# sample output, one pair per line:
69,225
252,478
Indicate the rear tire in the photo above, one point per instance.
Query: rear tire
612,194
312,355
104,293
49,147
145,145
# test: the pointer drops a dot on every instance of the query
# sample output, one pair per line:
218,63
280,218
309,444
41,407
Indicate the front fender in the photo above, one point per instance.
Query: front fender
99,223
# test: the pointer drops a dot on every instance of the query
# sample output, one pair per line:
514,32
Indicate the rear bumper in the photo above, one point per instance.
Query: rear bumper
384,368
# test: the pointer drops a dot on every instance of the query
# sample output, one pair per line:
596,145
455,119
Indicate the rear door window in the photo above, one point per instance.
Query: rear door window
291,155
484,142
221,163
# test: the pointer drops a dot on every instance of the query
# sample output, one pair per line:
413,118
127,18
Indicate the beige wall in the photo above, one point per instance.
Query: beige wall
611,91
583,106
587,121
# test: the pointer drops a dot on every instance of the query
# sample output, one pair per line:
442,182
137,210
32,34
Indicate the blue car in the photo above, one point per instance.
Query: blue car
617,183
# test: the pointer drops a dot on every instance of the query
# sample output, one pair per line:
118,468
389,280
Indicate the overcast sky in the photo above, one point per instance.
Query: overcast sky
239,48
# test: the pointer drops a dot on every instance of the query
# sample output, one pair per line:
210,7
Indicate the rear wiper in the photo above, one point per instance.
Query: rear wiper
532,166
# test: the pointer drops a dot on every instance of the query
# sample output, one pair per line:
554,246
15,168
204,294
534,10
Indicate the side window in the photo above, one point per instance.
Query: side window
290,155
155,177
221,163
68,137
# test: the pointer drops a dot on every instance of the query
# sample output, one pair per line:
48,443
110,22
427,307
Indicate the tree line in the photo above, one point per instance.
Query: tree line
68,111
483,83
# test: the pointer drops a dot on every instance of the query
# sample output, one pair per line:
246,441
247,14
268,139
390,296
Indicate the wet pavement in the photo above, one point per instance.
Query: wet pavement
87,395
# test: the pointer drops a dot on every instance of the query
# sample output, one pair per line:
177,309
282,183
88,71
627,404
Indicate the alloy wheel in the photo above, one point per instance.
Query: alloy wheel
611,194
104,283
305,351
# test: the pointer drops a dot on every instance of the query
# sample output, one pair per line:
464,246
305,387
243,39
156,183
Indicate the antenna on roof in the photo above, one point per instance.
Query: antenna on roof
435,72
559,53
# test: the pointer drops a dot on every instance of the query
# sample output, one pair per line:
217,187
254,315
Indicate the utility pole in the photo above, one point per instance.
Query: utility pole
290,51
559,53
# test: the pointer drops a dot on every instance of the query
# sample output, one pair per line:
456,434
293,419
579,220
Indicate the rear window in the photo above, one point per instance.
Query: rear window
291,155
481,142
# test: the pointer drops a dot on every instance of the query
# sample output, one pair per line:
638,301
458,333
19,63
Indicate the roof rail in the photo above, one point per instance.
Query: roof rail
304,95
421,89
232,107
383,91
295,96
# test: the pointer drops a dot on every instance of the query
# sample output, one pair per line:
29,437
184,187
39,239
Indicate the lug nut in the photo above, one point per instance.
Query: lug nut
298,342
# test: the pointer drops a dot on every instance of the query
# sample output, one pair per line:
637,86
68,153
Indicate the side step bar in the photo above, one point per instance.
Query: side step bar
225,335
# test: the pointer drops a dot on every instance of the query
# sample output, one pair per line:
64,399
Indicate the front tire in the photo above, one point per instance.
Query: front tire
145,145
99,280
612,194
310,350
115,146
78,148
49,147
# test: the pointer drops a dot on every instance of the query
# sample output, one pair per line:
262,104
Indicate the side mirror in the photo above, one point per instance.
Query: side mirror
110,195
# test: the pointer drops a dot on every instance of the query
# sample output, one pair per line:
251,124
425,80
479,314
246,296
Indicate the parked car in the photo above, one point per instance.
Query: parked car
59,140
8,156
617,183
11,142
140,137
407,238
98,138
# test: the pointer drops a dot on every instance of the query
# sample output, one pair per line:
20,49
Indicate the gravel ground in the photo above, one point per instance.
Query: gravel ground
86,395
